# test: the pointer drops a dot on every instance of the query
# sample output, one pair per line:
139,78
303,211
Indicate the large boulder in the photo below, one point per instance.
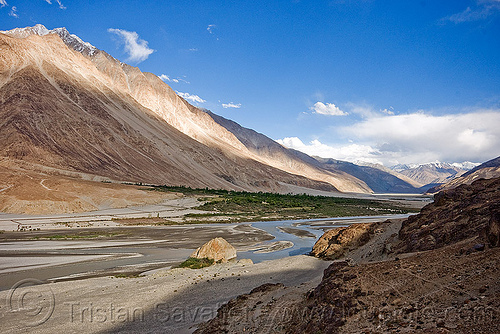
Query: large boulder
335,242
217,249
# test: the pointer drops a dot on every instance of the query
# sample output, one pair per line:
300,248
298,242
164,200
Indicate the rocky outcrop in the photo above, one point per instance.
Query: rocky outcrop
458,214
336,242
217,249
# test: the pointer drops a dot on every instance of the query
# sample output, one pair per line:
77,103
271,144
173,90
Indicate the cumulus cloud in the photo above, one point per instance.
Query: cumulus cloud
413,138
480,11
231,105
136,48
329,109
350,152
192,98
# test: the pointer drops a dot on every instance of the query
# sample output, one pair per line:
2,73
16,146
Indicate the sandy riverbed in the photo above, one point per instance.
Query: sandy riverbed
168,301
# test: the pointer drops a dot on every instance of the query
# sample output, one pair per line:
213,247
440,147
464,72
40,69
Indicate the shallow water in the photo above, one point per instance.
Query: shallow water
150,255
303,245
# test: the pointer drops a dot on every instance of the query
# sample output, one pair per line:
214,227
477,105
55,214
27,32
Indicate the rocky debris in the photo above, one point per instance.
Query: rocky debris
258,300
468,211
334,243
451,288
217,249
440,291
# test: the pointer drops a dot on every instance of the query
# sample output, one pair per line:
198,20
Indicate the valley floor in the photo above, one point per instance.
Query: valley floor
170,301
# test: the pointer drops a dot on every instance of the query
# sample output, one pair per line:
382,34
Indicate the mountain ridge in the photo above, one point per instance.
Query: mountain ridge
65,94
157,96
487,170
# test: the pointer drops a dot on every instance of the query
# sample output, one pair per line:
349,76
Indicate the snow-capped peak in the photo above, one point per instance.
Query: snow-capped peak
466,165
70,40
38,29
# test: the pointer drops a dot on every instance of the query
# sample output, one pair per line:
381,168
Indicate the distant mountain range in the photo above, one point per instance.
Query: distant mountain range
430,174
70,109
488,170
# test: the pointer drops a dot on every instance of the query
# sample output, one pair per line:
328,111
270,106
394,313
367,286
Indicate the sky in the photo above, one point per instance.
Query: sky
384,81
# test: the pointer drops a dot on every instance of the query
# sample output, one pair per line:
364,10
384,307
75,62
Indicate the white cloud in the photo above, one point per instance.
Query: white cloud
192,98
231,105
413,138
350,152
3,3
61,6
136,48
13,12
165,77
389,111
211,28
482,10
329,109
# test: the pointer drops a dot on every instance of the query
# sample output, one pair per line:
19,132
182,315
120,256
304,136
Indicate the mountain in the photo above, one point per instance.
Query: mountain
430,173
488,170
379,178
68,108
274,153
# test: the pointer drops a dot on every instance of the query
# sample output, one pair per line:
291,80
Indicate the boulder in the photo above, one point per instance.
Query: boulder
335,242
217,249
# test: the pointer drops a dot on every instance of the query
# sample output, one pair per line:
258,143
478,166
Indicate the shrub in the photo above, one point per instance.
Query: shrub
195,263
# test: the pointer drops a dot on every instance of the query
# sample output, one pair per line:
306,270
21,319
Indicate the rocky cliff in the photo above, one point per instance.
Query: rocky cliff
465,212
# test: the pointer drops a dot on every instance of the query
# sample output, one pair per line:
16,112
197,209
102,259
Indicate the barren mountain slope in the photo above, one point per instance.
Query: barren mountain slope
377,179
109,79
277,155
58,110
433,173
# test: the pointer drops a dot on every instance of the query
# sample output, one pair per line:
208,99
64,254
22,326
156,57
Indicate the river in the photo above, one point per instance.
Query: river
159,248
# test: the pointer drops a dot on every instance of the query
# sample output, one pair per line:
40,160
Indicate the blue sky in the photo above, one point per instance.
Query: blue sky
378,81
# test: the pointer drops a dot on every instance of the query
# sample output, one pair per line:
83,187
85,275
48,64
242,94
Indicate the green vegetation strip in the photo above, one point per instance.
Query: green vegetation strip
195,263
246,206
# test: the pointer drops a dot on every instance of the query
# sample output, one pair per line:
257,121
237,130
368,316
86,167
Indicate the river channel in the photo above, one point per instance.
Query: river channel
151,248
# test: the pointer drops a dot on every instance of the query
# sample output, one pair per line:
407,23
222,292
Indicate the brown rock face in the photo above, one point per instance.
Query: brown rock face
457,214
217,249
95,117
334,243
